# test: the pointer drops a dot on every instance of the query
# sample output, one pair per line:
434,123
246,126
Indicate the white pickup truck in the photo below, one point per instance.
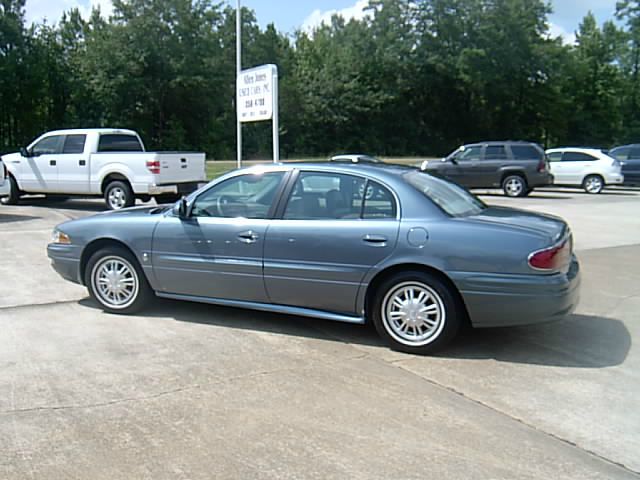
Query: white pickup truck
101,162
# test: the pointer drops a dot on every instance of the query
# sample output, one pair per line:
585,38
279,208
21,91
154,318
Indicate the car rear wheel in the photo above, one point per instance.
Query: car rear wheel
116,281
416,312
515,186
593,184
118,194
14,193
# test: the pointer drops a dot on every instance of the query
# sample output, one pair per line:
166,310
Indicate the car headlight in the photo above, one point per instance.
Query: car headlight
60,238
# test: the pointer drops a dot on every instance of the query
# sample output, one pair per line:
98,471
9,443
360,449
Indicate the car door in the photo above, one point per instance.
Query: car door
332,230
575,166
489,167
73,165
631,167
39,171
463,167
216,251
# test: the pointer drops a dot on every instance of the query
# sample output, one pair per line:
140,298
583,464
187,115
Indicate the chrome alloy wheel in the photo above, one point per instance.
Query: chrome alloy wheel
115,282
514,187
117,198
593,184
413,314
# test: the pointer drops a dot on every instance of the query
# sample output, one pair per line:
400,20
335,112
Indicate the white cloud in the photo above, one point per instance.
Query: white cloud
52,10
568,38
318,17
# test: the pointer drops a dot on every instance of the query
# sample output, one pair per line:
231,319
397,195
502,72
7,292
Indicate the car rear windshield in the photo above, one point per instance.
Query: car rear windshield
451,198
119,143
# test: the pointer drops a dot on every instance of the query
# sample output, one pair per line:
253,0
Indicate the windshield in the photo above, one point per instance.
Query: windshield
451,198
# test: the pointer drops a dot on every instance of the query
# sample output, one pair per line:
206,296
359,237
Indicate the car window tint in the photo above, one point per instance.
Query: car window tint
470,153
47,146
244,196
577,157
495,152
620,153
555,156
379,202
74,144
451,198
634,154
119,143
319,195
526,152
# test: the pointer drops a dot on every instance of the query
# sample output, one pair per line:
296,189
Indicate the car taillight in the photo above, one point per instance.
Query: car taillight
542,165
551,258
153,166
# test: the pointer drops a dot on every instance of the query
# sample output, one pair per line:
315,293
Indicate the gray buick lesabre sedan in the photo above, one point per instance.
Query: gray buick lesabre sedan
415,254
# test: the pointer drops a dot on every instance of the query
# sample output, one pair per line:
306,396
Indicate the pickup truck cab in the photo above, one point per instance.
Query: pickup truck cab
112,163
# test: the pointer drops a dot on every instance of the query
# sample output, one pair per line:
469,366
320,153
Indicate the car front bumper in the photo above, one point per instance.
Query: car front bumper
499,300
65,259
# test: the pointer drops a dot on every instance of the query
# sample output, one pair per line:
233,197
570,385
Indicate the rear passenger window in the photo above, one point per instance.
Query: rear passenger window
119,143
495,152
74,144
555,156
378,202
319,195
577,157
525,152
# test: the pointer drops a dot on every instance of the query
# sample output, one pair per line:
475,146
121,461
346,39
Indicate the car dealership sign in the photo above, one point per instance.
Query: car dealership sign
257,93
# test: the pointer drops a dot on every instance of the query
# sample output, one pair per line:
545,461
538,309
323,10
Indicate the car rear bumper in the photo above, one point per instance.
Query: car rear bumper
177,188
499,300
5,189
614,179
539,179
65,261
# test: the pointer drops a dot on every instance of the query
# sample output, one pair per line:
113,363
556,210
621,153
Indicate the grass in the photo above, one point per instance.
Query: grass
220,167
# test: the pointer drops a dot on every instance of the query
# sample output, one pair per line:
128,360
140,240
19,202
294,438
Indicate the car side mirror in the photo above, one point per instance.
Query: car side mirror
183,208
25,153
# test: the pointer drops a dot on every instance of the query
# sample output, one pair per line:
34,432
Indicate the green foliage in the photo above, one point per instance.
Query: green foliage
414,77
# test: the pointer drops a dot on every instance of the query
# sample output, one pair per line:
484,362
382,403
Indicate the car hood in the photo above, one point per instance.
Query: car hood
555,228
10,157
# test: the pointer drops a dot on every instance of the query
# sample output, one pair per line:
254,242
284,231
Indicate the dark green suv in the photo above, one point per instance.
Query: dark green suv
516,167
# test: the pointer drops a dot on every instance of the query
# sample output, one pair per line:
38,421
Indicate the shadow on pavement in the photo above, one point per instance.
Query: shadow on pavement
581,341
9,218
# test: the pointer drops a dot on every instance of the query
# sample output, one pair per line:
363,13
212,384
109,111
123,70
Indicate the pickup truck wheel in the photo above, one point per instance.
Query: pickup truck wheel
118,194
515,186
14,193
116,281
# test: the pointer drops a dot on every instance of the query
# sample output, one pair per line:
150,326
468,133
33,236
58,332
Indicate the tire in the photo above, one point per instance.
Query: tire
131,283
515,186
393,303
14,193
167,198
118,195
593,184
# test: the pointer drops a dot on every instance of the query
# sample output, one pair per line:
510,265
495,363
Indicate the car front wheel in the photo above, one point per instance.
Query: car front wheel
416,312
116,281
14,193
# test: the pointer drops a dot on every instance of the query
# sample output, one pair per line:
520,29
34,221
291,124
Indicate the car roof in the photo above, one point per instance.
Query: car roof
630,145
382,171
575,149
500,142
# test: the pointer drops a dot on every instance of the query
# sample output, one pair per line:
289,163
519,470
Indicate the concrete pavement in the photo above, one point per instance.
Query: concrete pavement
195,391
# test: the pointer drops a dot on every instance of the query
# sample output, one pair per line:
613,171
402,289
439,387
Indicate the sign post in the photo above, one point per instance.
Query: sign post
238,70
257,100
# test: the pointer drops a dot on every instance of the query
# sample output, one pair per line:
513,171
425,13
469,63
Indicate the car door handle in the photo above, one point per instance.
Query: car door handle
82,163
248,237
52,163
375,240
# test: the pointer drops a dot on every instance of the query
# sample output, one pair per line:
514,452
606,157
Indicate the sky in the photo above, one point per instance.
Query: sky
290,15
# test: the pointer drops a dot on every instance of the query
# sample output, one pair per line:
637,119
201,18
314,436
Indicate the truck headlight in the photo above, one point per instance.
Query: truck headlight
60,238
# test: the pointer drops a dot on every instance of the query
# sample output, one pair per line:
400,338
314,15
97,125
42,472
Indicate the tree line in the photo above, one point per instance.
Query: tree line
415,77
